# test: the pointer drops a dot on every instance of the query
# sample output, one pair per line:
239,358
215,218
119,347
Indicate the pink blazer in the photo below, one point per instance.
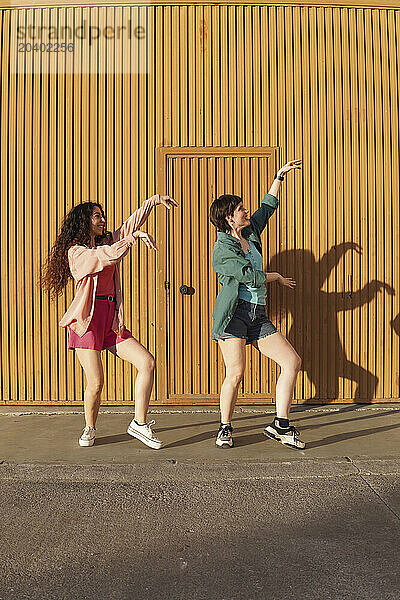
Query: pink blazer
86,263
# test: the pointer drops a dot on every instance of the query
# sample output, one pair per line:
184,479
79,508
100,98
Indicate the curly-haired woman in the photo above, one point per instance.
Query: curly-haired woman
239,314
85,251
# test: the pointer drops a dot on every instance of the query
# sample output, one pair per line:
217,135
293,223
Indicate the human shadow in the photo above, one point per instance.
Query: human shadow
252,438
113,439
314,330
339,410
341,437
357,419
395,324
215,422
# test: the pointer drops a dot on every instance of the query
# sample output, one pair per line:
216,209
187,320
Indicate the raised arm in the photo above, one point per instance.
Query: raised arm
85,261
260,217
269,203
141,215
280,176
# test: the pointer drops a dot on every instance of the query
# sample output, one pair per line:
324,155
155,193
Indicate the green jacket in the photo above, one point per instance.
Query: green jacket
233,268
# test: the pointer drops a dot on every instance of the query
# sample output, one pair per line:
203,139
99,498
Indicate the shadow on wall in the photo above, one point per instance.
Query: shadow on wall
314,330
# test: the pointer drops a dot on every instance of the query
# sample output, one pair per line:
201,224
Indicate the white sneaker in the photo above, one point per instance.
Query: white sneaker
87,437
144,434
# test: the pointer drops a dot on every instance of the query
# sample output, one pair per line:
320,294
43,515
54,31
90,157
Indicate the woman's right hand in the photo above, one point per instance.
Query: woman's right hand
146,238
166,200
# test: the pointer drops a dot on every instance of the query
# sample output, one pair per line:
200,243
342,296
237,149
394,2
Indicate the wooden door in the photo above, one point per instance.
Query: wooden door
190,365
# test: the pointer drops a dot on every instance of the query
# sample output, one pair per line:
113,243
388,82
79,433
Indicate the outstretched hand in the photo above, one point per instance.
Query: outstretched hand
146,238
166,200
292,164
287,282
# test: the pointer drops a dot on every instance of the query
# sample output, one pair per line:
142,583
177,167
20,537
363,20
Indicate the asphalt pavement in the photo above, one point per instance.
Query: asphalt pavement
191,521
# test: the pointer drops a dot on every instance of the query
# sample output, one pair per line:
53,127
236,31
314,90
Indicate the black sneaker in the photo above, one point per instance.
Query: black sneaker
224,436
287,436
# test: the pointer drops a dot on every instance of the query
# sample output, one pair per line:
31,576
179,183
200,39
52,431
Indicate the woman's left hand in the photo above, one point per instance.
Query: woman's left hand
166,200
146,238
292,164
287,282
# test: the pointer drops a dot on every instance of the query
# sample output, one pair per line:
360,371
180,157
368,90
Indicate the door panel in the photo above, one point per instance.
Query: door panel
194,365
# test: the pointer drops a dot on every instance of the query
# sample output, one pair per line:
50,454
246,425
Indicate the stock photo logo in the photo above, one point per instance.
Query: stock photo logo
99,40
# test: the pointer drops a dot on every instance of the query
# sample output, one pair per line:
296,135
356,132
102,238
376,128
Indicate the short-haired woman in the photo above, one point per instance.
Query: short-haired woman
86,251
240,309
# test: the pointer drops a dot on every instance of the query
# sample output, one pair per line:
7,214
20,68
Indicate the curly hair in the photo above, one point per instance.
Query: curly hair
75,229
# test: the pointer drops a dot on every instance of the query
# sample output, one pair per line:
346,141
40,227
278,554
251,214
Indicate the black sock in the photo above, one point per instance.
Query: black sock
140,424
282,423
225,424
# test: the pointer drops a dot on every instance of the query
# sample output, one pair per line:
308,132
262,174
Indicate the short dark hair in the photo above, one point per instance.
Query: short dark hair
223,207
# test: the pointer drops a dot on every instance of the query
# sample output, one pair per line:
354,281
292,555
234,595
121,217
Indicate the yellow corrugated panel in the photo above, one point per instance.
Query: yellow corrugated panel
318,82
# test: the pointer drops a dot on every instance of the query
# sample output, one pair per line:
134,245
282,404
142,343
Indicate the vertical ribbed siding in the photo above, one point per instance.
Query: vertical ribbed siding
319,83
65,139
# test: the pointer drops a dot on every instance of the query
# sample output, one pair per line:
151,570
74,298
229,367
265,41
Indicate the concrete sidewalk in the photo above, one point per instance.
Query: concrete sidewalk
49,435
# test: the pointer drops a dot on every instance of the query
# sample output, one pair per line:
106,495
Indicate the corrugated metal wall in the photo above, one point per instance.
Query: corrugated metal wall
319,83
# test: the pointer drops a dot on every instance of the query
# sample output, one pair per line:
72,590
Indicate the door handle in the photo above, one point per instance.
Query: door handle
187,290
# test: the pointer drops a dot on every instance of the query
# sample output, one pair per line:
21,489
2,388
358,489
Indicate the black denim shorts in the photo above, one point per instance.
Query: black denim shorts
249,322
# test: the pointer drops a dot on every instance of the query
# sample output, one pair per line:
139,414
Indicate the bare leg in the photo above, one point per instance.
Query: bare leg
93,368
233,351
277,347
133,351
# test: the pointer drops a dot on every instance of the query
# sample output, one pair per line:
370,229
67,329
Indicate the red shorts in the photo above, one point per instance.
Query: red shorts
99,334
